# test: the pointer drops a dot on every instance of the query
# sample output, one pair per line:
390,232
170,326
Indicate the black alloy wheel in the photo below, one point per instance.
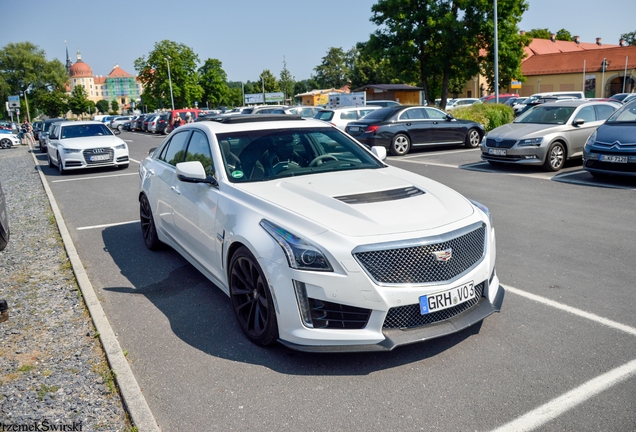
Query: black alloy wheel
148,229
251,300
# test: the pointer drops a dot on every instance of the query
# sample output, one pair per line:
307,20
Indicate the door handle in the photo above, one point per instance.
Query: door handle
175,190
409,124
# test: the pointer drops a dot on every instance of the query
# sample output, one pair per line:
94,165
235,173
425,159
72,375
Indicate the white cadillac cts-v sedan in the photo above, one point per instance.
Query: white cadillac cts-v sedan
318,243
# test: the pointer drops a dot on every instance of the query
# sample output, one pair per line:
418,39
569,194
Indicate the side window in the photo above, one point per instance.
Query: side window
435,114
348,115
587,114
174,152
603,112
413,114
199,150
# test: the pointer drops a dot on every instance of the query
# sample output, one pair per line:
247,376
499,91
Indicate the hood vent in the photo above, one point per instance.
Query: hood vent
388,195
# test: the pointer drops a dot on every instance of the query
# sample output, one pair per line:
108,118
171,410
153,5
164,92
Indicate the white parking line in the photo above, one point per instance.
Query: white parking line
107,225
414,155
95,177
551,410
583,314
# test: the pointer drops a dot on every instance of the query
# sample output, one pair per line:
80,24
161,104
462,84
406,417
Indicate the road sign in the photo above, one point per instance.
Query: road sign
14,101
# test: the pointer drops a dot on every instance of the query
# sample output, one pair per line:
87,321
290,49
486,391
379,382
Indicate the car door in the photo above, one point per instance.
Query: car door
164,187
415,122
194,208
444,131
580,133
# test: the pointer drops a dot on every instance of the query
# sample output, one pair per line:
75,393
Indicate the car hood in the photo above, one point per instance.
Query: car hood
91,142
327,199
523,130
609,133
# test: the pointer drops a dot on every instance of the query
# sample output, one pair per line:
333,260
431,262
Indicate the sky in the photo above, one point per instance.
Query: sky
249,36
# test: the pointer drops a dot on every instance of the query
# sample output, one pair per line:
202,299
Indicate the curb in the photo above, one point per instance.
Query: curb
133,399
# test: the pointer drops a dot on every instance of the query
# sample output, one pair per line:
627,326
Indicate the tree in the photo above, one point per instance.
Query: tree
78,103
213,81
563,35
24,68
114,106
368,67
333,72
102,106
543,33
286,81
51,103
630,38
153,73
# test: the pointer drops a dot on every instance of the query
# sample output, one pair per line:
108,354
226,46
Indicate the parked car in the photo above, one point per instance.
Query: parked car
8,139
194,113
623,97
146,122
267,109
518,107
162,123
404,127
85,144
296,223
611,149
460,103
342,116
43,136
37,127
382,103
502,98
118,122
139,122
152,123
546,135
303,111
127,125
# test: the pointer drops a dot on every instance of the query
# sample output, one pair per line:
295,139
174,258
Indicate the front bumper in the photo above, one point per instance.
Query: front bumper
526,155
83,159
592,162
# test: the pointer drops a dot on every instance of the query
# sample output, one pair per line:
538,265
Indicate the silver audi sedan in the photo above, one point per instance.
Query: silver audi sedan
546,135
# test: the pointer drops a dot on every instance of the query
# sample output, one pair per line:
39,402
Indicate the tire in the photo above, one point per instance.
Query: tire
60,165
400,145
120,128
148,228
555,158
5,143
473,139
43,149
251,300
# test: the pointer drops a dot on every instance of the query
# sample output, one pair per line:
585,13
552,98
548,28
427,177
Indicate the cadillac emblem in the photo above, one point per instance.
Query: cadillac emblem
444,255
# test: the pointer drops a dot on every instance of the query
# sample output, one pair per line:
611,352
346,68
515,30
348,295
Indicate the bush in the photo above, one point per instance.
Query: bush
490,115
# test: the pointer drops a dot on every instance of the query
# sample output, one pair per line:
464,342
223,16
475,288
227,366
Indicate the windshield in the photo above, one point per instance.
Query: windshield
543,114
84,130
625,114
251,156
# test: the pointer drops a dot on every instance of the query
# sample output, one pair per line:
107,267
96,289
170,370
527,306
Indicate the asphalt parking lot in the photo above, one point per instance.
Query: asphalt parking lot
561,355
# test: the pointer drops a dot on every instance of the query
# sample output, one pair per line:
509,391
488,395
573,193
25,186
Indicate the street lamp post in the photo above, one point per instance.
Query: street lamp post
170,81
496,58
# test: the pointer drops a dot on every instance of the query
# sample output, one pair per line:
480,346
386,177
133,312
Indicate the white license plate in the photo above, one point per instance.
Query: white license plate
99,158
354,129
612,158
497,152
446,299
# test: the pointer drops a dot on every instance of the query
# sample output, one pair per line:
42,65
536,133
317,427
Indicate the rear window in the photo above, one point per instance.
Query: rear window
324,115
381,114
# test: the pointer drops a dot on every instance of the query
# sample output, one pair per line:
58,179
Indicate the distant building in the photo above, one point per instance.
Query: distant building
118,85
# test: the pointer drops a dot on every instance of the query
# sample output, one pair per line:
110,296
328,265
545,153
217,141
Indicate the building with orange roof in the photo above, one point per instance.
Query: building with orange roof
118,85
554,65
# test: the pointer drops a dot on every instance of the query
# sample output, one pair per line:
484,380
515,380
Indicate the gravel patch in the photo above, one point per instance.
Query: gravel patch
52,365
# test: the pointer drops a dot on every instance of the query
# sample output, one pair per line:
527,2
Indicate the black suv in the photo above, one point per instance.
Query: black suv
43,135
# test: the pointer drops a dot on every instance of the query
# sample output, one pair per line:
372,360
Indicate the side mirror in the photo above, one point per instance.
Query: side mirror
578,122
193,172
379,152
116,131
449,117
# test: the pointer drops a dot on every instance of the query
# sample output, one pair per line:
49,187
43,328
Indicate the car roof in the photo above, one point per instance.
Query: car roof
248,122
576,103
66,122
351,108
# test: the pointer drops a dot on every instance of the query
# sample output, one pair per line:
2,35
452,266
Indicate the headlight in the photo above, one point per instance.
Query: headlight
120,147
483,208
530,142
300,254
69,150
591,140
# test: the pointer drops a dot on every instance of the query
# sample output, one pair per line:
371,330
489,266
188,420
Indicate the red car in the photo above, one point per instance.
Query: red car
502,97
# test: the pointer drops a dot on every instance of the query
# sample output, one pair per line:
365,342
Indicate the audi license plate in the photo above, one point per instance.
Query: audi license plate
99,158
612,158
446,299
497,152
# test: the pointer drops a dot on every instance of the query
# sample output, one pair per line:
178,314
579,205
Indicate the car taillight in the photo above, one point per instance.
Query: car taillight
371,129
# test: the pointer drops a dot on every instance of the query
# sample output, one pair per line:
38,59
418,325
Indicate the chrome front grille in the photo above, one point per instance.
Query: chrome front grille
89,153
419,262
409,316
503,144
